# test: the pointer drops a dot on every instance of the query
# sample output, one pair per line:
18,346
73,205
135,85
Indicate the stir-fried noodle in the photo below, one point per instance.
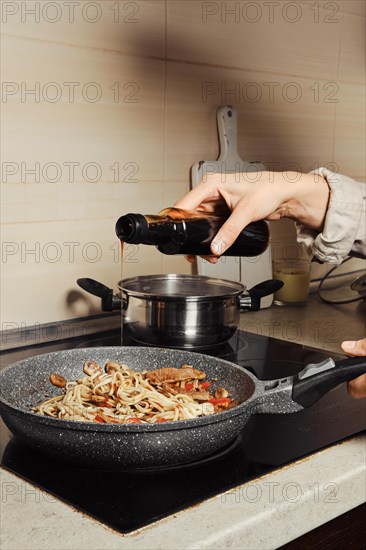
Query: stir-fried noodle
122,396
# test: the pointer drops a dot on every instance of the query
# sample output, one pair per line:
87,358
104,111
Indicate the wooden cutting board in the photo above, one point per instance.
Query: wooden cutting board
249,271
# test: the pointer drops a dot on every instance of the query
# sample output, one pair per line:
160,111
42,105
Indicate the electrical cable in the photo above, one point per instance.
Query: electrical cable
359,285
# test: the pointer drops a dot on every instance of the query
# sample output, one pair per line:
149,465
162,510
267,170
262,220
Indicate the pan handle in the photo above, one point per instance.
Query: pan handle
250,300
315,380
110,301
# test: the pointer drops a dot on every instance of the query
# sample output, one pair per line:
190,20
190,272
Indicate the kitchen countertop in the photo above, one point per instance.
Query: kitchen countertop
265,513
318,325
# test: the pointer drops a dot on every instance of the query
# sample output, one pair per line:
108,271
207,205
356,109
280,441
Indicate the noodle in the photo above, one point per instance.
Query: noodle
122,396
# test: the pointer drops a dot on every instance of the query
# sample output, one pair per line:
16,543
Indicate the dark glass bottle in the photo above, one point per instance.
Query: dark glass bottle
175,231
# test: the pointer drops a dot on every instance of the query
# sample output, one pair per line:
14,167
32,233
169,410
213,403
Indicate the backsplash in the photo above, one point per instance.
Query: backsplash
106,105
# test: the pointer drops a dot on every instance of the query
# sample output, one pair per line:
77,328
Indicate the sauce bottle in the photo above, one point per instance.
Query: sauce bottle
176,231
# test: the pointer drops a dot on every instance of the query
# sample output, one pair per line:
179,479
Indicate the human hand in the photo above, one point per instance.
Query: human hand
357,387
265,195
222,193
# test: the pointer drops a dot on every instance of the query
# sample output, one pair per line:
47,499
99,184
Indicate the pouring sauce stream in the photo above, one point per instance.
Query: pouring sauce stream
121,286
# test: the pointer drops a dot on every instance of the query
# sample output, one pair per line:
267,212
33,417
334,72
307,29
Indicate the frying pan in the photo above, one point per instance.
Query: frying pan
138,446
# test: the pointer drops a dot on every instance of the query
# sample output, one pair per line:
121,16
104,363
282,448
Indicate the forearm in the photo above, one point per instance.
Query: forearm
304,197
328,208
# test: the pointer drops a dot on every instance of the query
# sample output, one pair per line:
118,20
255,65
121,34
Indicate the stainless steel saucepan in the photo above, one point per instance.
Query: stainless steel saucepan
138,446
181,311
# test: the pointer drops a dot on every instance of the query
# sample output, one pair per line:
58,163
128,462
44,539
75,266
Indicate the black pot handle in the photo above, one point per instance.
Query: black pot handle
110,302
251,299
315,380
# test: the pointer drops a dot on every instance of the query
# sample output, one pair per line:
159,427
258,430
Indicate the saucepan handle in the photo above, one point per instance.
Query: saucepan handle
316,380
250,300
110,301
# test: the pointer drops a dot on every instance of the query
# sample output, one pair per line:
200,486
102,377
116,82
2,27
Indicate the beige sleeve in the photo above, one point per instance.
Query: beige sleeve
344,231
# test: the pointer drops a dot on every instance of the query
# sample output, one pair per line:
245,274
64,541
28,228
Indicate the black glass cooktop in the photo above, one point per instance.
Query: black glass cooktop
266,443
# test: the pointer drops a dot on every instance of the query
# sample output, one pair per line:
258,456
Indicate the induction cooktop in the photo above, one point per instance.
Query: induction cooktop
266,443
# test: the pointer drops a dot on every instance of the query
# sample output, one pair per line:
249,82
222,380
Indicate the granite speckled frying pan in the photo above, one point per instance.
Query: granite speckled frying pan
137,446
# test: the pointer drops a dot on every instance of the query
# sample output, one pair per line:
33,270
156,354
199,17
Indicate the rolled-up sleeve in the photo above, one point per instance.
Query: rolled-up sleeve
344,231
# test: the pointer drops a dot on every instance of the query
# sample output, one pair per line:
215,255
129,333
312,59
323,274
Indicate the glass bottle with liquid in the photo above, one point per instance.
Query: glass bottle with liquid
176,231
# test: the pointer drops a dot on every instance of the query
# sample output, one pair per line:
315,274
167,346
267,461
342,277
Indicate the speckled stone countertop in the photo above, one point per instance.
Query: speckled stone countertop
317,324
265,513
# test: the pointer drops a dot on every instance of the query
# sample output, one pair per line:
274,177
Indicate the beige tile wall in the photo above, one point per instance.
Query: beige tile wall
125,100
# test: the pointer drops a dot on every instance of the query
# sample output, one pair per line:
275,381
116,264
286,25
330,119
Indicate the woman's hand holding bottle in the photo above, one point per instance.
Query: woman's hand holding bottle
265,195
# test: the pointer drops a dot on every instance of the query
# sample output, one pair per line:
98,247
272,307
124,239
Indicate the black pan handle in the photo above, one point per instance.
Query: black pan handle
315,380
110,301
251,299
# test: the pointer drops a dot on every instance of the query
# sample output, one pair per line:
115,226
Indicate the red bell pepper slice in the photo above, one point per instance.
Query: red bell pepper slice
189,387
205,385
220,401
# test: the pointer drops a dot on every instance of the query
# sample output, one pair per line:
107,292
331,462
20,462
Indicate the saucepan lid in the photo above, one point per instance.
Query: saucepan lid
176,286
